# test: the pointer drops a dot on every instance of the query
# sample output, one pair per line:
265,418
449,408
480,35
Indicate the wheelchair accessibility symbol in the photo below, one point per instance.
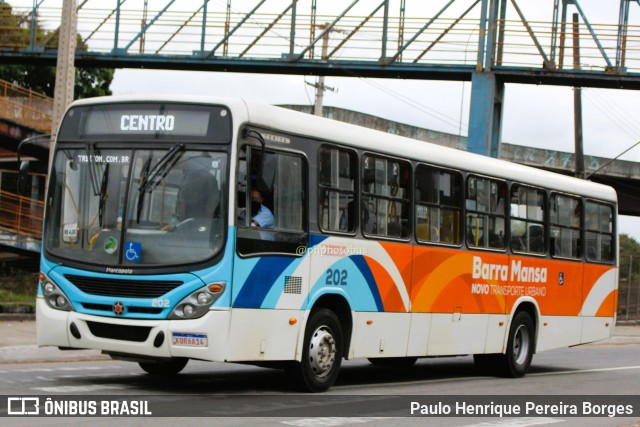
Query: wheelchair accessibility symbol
132,253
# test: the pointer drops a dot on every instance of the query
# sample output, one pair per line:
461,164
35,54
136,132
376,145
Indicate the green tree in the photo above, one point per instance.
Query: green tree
628,284
629,250
15,34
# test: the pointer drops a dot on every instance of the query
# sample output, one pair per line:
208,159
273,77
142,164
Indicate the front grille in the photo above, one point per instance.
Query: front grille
119,332
123,288
105,307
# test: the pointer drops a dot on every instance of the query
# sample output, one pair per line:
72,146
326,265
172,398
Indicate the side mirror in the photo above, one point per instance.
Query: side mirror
23,178
23,174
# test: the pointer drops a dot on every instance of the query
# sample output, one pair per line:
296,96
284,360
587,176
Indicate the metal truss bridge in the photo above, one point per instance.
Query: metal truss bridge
522,41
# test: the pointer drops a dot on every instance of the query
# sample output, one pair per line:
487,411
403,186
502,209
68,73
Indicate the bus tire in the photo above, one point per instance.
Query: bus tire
520,346
321,353
394,362
516,361
164,368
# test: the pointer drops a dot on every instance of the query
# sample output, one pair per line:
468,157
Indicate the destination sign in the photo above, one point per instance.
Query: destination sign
147,121
118,122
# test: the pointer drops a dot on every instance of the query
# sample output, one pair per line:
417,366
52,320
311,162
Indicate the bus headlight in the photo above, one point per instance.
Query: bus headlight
203,298
188,310
53,295
197,303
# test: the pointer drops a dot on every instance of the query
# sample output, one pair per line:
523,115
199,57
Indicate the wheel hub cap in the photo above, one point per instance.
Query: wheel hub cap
322,351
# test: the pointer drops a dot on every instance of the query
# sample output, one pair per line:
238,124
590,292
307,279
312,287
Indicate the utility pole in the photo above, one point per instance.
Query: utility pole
577,102
65,70
320,88
143,24
319,85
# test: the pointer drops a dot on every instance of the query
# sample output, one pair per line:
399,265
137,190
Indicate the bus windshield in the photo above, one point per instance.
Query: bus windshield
136,207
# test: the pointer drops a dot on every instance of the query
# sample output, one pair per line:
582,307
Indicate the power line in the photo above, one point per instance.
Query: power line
611,160
454,123
614,113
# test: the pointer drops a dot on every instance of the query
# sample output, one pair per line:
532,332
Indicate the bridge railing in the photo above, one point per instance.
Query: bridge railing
21,215
421,33
25,106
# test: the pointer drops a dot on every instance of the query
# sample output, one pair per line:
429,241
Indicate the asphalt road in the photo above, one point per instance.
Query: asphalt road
239,395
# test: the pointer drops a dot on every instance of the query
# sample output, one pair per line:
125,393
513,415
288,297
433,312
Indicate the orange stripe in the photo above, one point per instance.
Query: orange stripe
389,294
592,274
402,256
608,306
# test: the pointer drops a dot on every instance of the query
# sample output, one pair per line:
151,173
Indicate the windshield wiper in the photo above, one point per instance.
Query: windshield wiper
103,193
99,189
163,166
144,175
148,178
90,150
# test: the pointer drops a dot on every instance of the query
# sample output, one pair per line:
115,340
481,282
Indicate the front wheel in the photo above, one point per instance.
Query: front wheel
164,368
321,354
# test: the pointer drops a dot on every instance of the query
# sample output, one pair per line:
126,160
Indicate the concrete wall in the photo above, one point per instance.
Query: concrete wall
531,156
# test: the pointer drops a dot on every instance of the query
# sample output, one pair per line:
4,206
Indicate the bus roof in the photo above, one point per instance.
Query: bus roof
302,124
290,121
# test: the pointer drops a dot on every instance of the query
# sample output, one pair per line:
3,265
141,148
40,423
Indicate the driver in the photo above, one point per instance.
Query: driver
198,195
261,216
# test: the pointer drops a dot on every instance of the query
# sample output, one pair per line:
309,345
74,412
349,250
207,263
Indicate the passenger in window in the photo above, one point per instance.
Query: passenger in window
347,219
368,218
475,235
261,216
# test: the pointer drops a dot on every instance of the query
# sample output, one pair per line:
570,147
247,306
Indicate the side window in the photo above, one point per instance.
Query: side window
337,171
486,211
385,197
527,220
564,222
599,232
271,202
438,205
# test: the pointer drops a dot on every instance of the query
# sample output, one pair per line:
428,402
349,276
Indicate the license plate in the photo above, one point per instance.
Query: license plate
189,340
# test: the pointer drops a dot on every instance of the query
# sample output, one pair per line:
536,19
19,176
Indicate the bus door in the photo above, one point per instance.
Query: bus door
271,268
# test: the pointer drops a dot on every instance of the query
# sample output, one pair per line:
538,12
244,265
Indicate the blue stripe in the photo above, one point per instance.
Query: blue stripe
362,265
262,278
316,239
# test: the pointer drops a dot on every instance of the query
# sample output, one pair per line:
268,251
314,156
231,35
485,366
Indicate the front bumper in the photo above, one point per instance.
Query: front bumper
146,338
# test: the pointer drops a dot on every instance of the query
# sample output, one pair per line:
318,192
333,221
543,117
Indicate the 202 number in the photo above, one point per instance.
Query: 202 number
336,277
160,303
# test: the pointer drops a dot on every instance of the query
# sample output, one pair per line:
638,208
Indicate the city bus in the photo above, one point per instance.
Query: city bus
377,247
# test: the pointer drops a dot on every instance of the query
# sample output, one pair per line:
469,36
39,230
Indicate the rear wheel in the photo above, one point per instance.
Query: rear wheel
520,346
172,367
516,361
321,354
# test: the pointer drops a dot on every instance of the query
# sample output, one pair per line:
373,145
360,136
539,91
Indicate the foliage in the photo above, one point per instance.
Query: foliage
17,286
15,33
629,250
